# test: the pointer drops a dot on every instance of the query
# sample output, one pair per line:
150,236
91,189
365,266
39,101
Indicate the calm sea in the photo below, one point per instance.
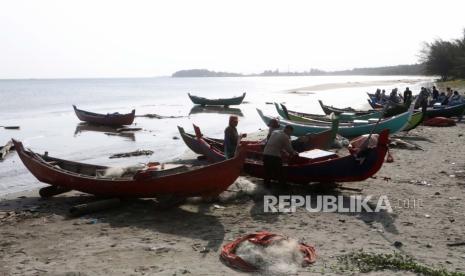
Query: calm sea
43,110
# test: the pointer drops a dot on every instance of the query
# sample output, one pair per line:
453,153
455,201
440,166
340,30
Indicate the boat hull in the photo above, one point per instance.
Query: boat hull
341,169
196,182
105,119
224,102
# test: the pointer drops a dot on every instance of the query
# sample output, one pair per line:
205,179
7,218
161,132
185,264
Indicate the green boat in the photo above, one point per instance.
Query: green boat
415,120
224,102
311,118
357,128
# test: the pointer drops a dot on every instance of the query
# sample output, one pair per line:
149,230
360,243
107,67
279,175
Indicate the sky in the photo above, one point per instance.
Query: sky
100,38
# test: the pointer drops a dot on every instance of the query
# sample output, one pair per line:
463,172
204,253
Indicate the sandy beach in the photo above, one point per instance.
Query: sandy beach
142,237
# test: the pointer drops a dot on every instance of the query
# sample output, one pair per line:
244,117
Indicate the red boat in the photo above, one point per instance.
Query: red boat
110,119
329,168
180,181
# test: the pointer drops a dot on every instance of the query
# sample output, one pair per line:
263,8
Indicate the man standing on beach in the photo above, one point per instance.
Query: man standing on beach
231,137
279,141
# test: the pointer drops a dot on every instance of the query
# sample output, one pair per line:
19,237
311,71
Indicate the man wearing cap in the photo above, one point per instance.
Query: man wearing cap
279,141
231,137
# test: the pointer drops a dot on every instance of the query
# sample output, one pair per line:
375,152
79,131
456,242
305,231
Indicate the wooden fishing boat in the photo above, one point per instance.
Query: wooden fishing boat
225,102
311,118
322,140
331,109
178,180
110,119
415,120
434,111
330,168
357,128
445,111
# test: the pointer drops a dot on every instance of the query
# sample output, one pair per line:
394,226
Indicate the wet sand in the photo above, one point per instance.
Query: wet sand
143,238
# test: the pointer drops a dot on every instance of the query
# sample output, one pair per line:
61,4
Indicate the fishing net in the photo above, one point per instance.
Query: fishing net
268,252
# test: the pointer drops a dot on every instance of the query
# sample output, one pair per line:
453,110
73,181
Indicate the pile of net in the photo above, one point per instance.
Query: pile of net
439,122
267,252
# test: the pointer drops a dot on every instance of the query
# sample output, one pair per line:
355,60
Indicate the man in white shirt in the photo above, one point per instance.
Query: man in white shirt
278,142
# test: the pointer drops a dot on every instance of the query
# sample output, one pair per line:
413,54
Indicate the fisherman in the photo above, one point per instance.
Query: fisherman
393,98
279,142
442,99
273,125
422,100
231,137
407,97
435,93
378,95
455,99
383,95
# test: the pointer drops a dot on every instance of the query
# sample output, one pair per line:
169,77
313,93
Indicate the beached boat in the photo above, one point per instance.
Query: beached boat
357,128
225,102
110,119
445,111
415,120
176,180
287,114
389,112
324,167
327,109
322,140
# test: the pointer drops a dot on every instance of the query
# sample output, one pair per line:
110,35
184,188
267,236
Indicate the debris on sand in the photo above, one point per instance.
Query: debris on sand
5,150
268,253
401,144
131,154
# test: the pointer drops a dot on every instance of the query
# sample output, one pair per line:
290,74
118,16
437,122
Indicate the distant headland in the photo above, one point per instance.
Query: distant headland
410,69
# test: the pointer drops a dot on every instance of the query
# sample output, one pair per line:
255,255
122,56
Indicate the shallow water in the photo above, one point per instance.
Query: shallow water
43,109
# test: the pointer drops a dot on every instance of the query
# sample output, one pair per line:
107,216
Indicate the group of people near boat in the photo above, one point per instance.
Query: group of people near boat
276,142
429,97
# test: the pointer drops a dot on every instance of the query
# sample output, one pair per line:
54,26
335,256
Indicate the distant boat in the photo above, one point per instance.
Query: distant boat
225,102
110,119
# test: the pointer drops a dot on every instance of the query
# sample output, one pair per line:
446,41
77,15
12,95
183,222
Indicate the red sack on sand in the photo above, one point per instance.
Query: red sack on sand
228,253
439,122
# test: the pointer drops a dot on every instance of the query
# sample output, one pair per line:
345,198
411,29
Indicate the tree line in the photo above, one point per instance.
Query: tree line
445,58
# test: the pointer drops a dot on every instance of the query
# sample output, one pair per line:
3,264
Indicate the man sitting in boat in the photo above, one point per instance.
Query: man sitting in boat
231,137
279,142
455,99
378,95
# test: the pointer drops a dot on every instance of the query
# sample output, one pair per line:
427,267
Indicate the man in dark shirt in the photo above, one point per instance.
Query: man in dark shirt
231,137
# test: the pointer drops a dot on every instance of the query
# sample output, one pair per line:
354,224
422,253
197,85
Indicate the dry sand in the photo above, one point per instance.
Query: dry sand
329,86
142,238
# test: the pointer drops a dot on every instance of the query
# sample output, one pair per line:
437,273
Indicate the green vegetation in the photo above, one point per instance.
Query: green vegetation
367,262
203,73
458,85
445,58
411,69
